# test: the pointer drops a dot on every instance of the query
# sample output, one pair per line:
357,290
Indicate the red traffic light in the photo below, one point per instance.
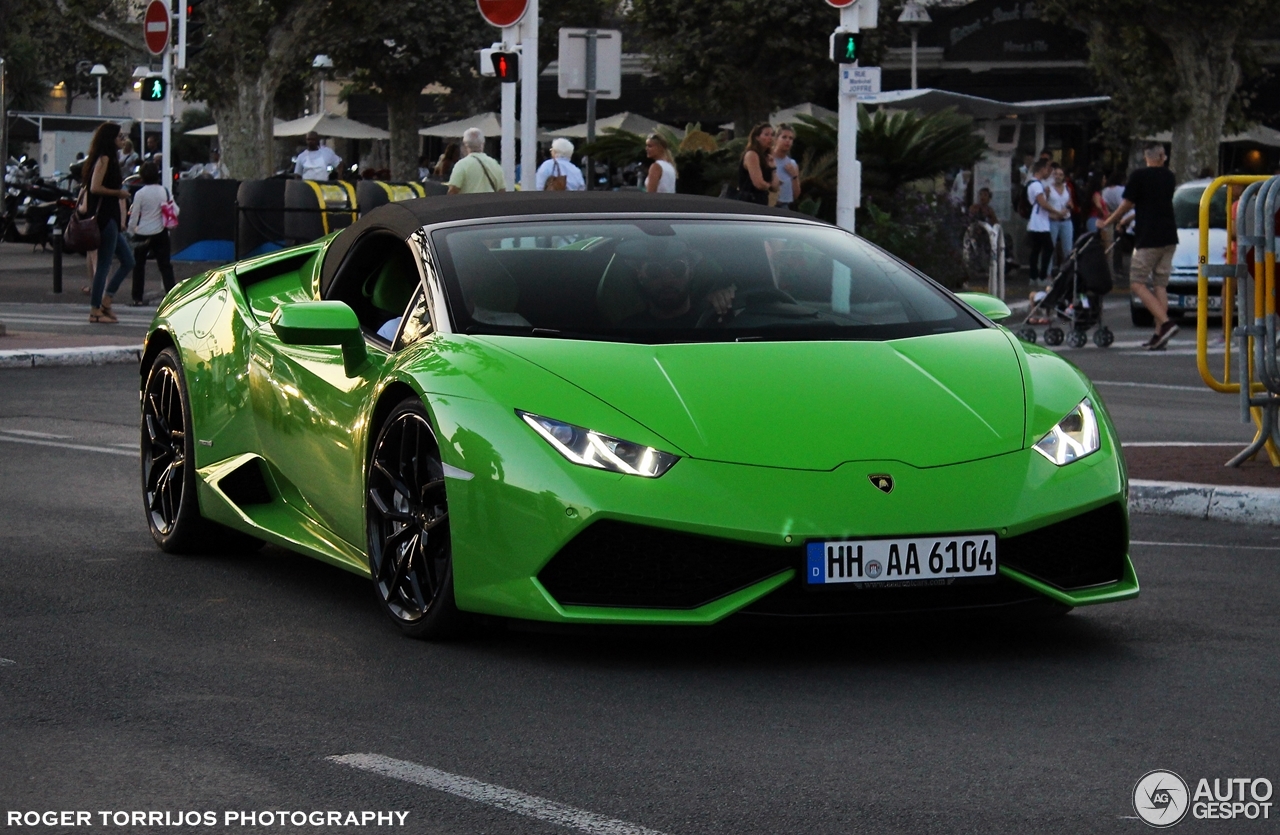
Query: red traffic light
506,65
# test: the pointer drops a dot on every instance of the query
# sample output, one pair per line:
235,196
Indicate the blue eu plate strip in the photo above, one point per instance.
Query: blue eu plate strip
817,569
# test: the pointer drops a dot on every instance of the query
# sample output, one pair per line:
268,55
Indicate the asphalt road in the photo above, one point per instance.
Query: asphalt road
131,680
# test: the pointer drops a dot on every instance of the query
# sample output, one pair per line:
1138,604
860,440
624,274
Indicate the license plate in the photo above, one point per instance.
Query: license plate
1192,302
901,561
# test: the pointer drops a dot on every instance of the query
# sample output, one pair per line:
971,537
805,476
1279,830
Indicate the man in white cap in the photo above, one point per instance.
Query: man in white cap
477,172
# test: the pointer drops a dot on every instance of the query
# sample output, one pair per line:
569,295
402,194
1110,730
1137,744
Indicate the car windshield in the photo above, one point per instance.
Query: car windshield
1186,207
683,280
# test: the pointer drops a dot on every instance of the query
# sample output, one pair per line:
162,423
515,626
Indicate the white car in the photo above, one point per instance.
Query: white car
1183,287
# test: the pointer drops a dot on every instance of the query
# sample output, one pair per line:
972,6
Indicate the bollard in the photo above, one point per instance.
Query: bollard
57,260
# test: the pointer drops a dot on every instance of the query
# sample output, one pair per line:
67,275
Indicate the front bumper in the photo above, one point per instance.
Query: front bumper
526,506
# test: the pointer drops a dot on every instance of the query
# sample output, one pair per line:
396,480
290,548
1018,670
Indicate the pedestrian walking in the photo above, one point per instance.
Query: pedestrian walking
1150,194
661,178
476,172
757,175
318,161
788,169
146,222
1038,222
444,165
1061,205
128,158
107,199
557,173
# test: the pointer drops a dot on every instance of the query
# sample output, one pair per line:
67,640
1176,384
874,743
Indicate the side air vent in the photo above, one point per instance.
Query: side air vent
245,485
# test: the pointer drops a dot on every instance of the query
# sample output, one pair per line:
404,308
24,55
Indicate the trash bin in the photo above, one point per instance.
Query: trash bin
332,205
370,194
260,217
206,228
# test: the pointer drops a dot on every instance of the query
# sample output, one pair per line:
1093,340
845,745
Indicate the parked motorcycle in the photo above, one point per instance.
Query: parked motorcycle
34,207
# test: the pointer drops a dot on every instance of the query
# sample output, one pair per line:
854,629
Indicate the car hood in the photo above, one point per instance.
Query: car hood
1187,255
926,401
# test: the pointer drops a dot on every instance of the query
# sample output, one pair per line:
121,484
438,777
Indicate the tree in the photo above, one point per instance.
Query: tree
250,48
739,57
1170,64
44,45
394,48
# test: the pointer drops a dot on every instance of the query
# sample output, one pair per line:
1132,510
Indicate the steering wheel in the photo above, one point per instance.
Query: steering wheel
743,302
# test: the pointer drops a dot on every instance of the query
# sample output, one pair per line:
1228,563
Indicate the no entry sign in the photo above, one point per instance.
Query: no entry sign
502,13
840,4
155,27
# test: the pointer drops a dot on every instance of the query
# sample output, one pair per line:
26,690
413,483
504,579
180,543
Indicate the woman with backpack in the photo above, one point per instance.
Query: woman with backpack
106,202
147,223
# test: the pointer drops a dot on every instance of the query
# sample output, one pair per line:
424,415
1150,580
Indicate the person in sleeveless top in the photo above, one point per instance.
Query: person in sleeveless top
757,176
106,202
662,173
1061,229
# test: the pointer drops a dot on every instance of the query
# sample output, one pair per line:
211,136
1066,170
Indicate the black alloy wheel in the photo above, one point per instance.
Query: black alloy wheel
407,517
168,467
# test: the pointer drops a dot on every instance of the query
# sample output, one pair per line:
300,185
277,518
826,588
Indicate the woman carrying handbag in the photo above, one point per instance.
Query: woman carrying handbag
153,214
107,200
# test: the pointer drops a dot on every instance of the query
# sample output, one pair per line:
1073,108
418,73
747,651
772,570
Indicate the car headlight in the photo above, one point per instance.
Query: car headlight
591,449
1075,436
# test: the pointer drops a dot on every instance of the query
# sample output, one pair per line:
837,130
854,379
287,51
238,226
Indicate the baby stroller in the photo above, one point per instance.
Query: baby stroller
1074,298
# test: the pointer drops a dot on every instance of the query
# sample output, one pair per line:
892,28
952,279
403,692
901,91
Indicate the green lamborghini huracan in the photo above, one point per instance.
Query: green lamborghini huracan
640,409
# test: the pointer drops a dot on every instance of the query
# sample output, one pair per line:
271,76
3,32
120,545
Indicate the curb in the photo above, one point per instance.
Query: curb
91,355
1249,505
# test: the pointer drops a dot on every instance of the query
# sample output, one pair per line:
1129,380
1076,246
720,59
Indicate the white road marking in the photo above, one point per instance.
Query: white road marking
1204,389
84,447
1181,443
500,797
31,434
1207,545
7,662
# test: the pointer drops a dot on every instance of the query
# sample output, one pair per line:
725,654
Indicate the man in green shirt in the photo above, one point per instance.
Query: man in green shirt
477,172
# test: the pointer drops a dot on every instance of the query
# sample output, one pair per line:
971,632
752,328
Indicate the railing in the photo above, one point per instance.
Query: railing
1251,227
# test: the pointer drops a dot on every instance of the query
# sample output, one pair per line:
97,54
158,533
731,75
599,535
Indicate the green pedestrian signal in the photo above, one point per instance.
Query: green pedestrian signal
846,47
154,89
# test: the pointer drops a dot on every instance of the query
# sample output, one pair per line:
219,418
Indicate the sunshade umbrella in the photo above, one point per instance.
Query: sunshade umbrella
212,130
489,123
330,125
630,122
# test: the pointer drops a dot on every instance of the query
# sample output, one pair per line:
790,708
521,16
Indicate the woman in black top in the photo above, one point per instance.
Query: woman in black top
106,202
757,176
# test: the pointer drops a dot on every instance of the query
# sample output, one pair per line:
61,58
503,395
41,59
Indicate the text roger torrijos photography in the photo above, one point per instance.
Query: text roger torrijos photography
203,818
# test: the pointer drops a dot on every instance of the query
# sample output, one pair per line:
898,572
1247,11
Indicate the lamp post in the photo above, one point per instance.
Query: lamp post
914,16
320,63
98,72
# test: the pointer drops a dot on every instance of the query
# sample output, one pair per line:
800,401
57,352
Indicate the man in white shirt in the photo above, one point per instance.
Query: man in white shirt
318,161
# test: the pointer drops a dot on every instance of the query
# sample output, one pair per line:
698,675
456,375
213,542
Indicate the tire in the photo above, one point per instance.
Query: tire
1141,317
407,527
1103,337
168,468
1053,336
1026,335
1077,339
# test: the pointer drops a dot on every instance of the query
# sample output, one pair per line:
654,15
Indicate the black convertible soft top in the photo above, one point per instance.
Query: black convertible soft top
405,218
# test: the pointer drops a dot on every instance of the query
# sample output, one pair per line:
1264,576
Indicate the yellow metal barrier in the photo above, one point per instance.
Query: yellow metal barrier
1264,303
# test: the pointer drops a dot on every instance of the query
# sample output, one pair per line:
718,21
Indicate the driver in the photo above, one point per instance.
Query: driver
664,281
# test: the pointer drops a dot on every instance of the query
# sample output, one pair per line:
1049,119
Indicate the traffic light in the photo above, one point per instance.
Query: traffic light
154,88
506,65
846,47
191,33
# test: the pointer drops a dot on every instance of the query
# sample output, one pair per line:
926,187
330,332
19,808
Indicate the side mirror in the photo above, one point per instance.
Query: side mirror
988,305
322,323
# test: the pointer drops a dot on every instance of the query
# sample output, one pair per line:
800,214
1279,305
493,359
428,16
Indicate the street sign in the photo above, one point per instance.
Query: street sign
573,63
502,13
155,27
153,88
859,81
840,4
